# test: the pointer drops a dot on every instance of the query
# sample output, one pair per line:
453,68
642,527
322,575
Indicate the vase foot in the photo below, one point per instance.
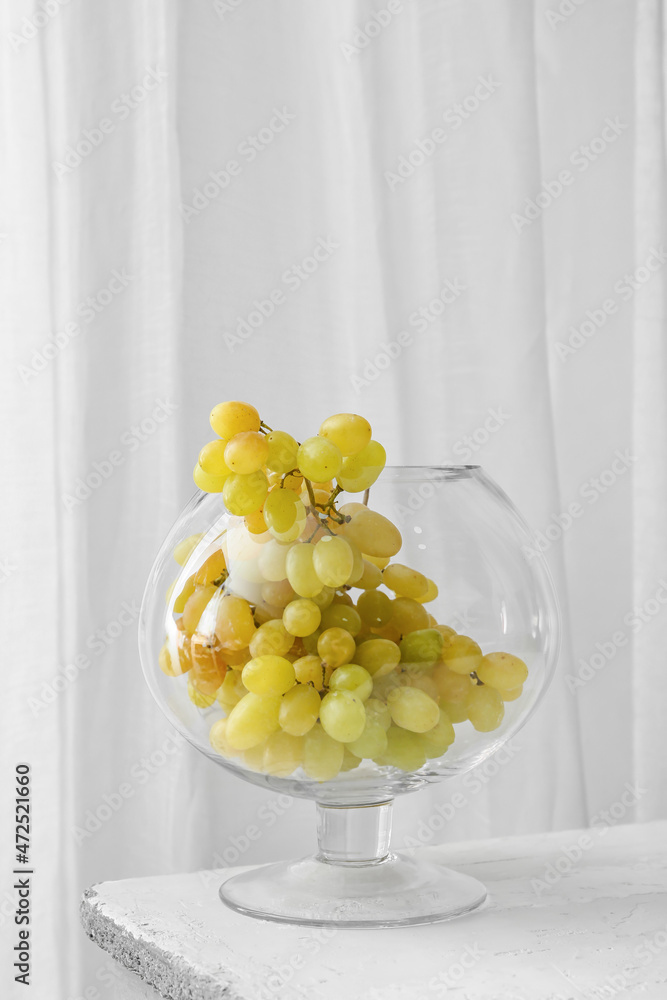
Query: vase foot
393,892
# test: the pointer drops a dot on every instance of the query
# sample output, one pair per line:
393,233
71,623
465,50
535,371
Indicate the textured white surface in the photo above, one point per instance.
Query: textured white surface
599,929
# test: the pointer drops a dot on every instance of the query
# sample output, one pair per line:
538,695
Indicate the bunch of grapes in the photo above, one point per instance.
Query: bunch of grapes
313,649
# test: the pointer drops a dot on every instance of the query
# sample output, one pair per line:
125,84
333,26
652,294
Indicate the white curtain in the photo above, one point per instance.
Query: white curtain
166,167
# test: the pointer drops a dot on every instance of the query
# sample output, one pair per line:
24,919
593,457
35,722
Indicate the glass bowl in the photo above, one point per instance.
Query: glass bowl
460,531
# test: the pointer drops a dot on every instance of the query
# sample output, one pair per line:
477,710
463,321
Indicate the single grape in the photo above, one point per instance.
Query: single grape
283,754
246,452
232,690
405,582
208,665
378,711
404,750
301,617
380,562
350,761
252,720
374,607
244,494
374,534
301,571
373,741
502,671
357,570
341,616
181,600
271,637
412,709
297,527
422,646
430,595
359,472
378,656
213,568
195,605
451,686
342,716
333,560
282,452
324,598
407,615
371,576
512,694
228,419
234,625
437,740
319,459
255,522
167,663
212,459
198,698
456,711
308,670
218,739
272,561
299,710
336,646
280,509
348,431
278,594
354,678
485,708
322,755
419,678
310,642
268,675
462,654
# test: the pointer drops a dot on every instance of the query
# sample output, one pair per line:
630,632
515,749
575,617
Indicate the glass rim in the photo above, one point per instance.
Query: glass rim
410,472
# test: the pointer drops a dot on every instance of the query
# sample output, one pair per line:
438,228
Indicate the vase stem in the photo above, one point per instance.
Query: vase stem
354,835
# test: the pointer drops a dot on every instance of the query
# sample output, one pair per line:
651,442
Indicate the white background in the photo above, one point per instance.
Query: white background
68,567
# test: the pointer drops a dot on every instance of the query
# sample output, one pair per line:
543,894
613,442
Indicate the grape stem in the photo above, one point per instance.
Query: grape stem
367,493
264,428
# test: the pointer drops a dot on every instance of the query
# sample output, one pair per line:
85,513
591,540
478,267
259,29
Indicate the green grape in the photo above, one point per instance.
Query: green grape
245,494
310,642
349,760
319,459
341,616
218,739
512,694
282,452
299,523
324,598
378,711
407,615
451,687
423,646
280,509
348,431
333,560
456,711
411,708
359,472
268,675
309,670
462,654
272,561
283,754
502,671
405,582
371,576
374,607
252,720
404,750
231,691
371,743
212,459
322,755
228,419
431,593
485,708
354,678
378,656
301,617
299,710
271,638
342,716
336,646
374,534
301,571
357,570
246,452
437,740
207,483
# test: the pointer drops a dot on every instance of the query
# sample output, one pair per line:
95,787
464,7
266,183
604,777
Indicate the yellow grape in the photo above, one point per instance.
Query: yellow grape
309,670
282,452
218,739
359,472
512,694
422,646
348,431
371,576
333,560
297,526
234,625
324,598
378,656
301,571
378,711
272,561
255,522
457,711
283,754
280,509
184,549
254,756
322,755
502,671
194,607
430,595
342,716
411,708
374,607
278,594
405,582
350,761
301,617
446,632
208,666
373,741
341,616
246,452
319,459
485,708
228,419
437,740
213,568
407,615
198,697
244,494
207,483
268,675
299,710
232,690
378,561
374,534
462,654
271,637
167,664
451,687
420,679
404,750
357,570
252,720
354,678
181,600
342,597
336,646
212,459
310,642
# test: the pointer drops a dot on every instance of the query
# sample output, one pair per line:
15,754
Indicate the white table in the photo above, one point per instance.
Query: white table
571,916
